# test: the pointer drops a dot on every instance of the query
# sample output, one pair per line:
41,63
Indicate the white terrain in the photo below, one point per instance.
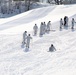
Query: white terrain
16,60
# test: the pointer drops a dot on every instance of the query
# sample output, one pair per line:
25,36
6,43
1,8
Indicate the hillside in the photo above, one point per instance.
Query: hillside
16,60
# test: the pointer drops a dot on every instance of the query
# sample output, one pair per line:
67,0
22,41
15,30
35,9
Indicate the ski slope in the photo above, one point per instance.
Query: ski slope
16,60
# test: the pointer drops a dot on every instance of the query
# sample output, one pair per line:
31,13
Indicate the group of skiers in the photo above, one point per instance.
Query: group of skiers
44,28
65,22
26,39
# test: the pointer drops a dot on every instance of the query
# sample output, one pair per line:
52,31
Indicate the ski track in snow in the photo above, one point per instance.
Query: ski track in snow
15,60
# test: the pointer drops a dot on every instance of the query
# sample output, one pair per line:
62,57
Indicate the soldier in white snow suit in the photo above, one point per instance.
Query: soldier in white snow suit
24,37
48,26
44,28
73,21
35,29
41,28
67,21
28,40
52,48
61,23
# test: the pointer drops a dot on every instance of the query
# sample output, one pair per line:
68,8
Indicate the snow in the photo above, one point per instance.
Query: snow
18,60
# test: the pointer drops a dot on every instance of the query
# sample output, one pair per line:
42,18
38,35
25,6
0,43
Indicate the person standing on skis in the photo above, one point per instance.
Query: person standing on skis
28,40
61,23
67,19
48,26
24,37
73,21
35,28
41,29
44,28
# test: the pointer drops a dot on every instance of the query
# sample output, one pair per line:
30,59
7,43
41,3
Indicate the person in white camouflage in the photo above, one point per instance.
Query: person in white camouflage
28,40
73,21
48,26
41,29
61,23
35,28
44,28
52,48
24,37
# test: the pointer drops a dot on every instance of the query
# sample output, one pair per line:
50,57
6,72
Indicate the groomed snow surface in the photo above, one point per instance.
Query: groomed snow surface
17,60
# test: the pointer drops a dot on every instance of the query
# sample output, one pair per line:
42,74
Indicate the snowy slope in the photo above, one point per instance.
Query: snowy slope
16,60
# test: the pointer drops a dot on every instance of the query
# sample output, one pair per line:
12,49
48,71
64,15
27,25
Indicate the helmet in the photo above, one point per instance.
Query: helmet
51,44
25,31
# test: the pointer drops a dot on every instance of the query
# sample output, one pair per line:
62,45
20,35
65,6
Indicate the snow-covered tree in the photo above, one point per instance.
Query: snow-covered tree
29,2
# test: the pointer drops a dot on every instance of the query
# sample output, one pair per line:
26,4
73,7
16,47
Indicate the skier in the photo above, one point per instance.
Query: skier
73,21
35,29
24,37
28,41
52,48
44,28
41,29
67,21
61,23
48,26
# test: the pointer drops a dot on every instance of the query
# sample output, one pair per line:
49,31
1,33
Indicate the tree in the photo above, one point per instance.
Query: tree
51,1
28,3
58,1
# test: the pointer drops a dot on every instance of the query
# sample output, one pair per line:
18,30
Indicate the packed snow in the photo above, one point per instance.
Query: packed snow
15,59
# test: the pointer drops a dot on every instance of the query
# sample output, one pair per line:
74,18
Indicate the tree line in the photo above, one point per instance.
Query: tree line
9,6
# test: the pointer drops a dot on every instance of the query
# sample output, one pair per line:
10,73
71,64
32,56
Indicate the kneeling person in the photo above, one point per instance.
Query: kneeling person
52,48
